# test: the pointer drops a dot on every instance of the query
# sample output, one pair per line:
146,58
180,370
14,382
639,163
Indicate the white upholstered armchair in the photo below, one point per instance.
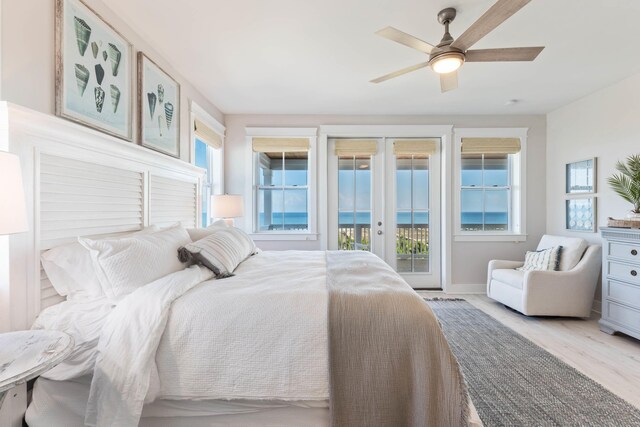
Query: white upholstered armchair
568,292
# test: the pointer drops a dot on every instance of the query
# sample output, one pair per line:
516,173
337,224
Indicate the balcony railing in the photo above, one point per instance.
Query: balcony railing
409,240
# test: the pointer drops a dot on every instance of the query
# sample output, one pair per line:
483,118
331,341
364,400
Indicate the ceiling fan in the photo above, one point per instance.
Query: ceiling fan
447,56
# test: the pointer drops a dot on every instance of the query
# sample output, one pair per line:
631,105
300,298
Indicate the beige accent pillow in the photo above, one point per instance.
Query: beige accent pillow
221,252
200,233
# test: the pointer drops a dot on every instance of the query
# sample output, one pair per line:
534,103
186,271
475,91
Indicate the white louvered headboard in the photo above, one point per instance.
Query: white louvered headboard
85,183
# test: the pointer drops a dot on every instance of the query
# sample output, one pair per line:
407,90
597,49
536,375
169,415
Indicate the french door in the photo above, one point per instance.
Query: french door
384,197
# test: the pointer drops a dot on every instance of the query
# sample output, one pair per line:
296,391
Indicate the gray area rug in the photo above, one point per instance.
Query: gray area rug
514,382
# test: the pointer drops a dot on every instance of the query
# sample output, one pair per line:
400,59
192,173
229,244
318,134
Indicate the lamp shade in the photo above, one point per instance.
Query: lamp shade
227,206
13,212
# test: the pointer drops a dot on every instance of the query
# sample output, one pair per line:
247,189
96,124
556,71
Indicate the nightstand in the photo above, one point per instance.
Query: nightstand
25,355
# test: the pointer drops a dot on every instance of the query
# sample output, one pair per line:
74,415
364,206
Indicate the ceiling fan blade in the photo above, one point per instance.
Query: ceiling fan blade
504,54
405,39
496,15
400,72
448,81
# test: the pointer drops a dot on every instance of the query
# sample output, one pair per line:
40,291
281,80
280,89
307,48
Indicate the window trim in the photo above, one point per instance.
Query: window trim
518,164
201,114
251,193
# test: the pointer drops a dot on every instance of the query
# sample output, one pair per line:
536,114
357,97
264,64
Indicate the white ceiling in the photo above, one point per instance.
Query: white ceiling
317,56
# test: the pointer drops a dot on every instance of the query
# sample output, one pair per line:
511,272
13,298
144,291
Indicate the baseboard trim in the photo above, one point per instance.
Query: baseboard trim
467,288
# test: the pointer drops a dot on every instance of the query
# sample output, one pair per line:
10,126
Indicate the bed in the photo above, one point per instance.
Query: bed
263,345
293,338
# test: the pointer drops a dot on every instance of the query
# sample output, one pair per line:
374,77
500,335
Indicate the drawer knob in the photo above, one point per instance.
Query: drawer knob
634,252
634,273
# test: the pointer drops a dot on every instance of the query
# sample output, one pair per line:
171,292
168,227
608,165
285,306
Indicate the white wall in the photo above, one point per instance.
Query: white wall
606,125
28,60
475,255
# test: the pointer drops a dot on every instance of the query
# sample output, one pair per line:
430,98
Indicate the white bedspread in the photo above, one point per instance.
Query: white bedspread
261,334
127,348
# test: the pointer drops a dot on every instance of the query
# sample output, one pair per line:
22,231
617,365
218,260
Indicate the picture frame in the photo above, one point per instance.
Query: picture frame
94,66
581,214
581,177
158,108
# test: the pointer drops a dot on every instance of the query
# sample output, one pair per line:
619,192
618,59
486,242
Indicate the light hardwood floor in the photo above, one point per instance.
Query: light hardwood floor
611,360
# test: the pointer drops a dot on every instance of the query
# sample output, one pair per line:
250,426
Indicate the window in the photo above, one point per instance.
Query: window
209,158
283,201
208,154
490,181
283,191
485,192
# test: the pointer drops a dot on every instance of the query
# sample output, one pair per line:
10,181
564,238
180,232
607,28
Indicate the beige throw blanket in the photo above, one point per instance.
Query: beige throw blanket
389,363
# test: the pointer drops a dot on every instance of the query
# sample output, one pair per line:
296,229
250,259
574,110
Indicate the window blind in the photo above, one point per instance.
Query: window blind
280,145
490,145
206,134
414,146
356,147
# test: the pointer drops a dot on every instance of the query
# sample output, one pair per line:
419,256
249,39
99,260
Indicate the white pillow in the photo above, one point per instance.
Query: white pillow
572,249
221,252
124,265
70,269
545,259
200,233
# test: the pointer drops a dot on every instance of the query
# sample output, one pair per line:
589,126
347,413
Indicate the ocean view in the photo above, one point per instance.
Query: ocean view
300,218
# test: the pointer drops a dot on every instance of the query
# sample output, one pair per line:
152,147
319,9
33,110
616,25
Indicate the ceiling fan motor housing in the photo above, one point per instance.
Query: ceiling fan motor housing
443,50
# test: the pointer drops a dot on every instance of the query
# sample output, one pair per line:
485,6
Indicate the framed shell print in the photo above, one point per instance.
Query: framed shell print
94,71
580,214
158,108
581,177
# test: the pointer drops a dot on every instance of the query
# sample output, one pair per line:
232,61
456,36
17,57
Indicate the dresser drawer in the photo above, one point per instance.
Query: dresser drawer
627,294
624,251
625,272
622,315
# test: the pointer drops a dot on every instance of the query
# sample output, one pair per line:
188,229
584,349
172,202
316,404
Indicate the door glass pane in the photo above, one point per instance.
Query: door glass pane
363,188
403,186
295,207
346,184
270,209
471,210
412,213
496,204
354,202
496,170
420,183
421,241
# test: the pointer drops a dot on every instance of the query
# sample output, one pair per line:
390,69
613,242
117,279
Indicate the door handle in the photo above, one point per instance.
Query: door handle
379,223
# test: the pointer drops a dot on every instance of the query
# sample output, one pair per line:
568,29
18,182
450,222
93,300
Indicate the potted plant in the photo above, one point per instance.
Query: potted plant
627,184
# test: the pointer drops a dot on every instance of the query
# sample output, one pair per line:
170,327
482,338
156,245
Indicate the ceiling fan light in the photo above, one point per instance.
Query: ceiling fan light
447,63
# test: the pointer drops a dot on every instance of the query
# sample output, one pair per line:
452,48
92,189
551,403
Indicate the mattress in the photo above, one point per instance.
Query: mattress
63,403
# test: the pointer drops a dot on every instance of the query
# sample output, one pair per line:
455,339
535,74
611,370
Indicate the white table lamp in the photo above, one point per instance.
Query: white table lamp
13,212
227,206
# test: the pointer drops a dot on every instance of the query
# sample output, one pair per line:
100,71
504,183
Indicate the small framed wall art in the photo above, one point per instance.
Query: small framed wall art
581,177
581,214
158,108
94,71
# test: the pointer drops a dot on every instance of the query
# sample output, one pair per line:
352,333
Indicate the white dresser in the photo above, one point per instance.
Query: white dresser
621,281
